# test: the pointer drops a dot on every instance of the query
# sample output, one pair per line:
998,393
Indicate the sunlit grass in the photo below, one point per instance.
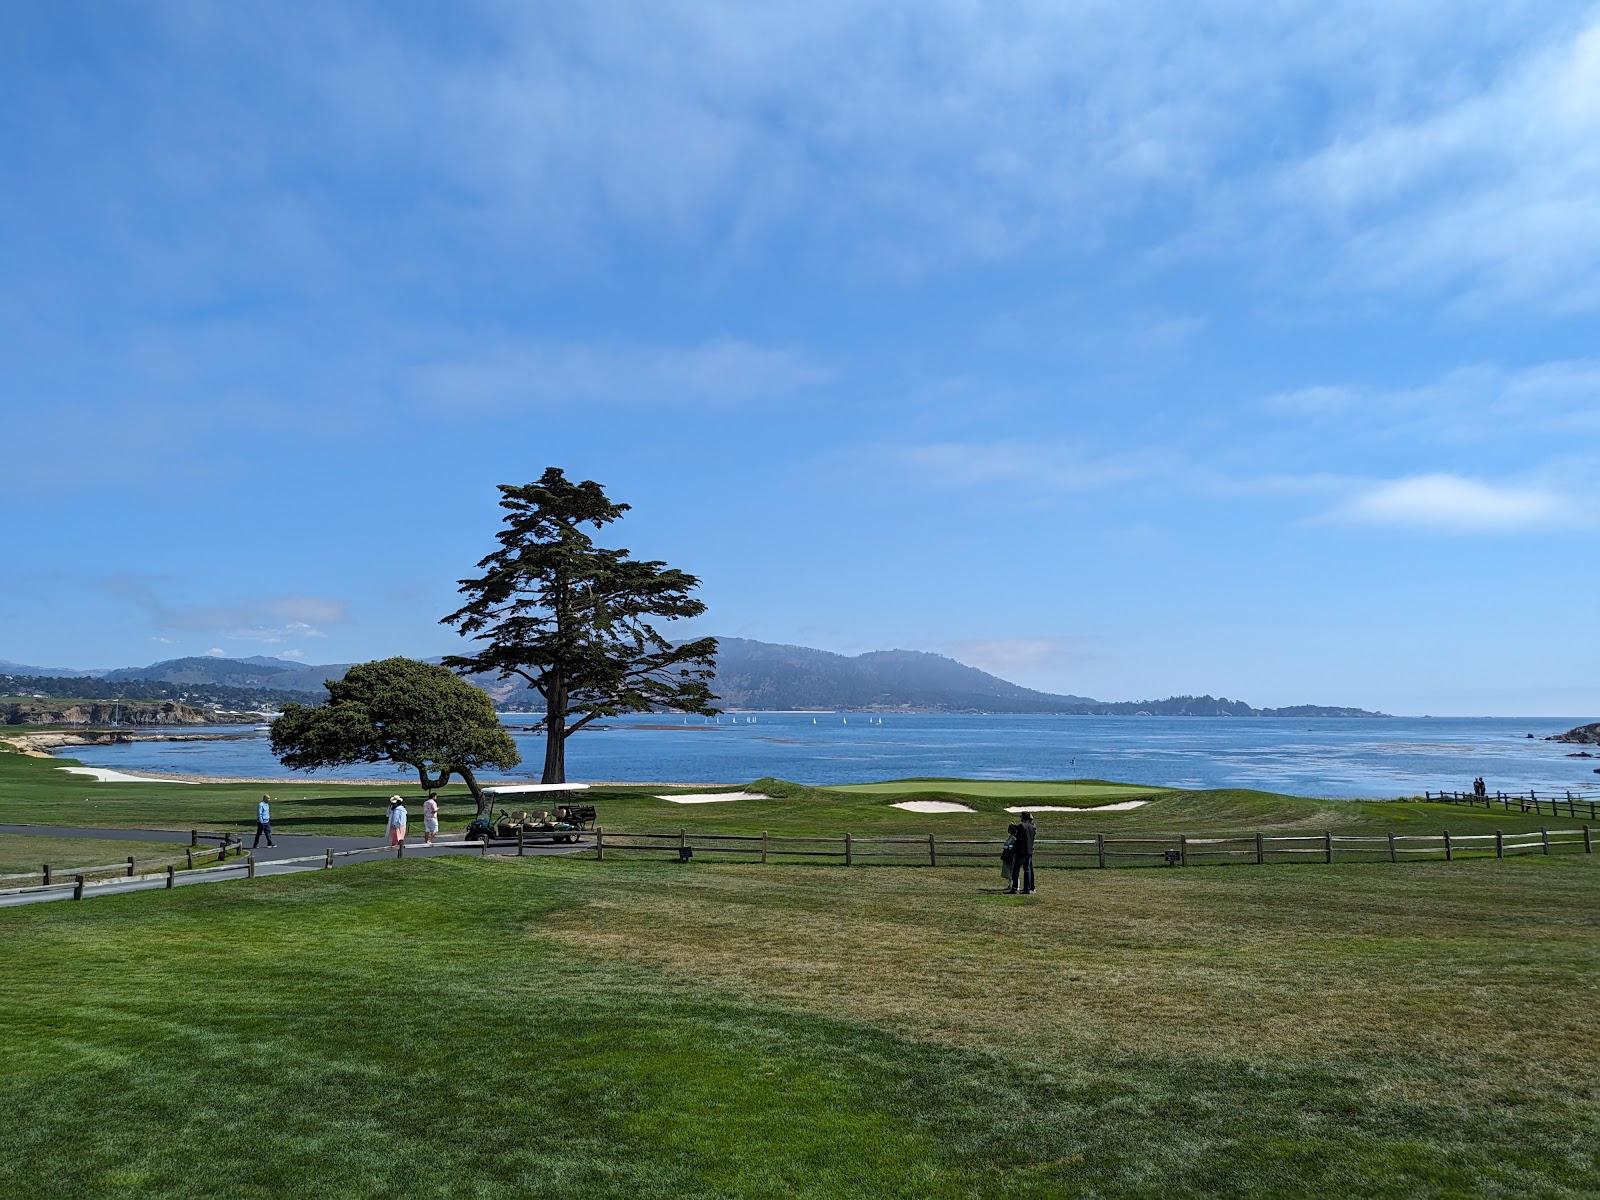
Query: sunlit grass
564,1027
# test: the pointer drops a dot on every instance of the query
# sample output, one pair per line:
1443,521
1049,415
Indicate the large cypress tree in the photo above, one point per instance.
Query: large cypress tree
575,620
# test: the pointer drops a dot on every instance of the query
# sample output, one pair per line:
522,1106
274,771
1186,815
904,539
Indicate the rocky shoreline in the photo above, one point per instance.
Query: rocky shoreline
41,745
1583,735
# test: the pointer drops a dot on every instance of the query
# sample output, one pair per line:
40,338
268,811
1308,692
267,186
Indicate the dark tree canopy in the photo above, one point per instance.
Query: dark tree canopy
575,620
403,711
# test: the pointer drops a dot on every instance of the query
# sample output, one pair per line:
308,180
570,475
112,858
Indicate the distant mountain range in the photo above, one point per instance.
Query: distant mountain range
750,675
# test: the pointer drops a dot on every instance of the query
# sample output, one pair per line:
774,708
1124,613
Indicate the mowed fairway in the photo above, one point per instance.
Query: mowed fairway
582,1028
34,790
1077,791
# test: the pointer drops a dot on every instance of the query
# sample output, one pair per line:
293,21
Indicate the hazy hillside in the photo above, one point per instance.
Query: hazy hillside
750,675
276,674
763,675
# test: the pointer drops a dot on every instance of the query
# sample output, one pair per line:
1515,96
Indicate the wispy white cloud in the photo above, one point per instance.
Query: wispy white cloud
1457,504
1478,402
1048,657
269,621
721,370
1048,464
1488,193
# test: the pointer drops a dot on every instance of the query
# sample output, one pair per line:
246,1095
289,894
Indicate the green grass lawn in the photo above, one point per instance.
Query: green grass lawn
33,790
1075,791
573,1028
26,852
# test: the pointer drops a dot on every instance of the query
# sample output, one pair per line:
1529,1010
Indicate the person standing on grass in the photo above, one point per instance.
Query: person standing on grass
430,818
397,820
1024,832
263,822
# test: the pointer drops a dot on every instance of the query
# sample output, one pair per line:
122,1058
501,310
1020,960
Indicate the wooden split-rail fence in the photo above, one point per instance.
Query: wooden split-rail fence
1097,851
1558,804
232,860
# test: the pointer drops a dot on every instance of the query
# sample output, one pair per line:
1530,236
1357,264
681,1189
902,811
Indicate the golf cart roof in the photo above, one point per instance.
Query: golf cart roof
518,789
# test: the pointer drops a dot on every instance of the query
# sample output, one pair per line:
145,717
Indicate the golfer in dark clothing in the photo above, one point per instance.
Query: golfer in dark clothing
1023,834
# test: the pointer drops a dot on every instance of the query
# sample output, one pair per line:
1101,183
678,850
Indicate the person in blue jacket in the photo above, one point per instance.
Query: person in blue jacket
263,822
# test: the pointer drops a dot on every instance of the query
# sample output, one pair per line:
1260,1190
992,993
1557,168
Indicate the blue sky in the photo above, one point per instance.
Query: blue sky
1121,350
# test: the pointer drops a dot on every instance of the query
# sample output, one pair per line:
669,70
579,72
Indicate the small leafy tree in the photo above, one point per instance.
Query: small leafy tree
575,621
403,711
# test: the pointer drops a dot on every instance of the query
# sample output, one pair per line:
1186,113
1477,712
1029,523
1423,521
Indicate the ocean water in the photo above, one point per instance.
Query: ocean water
1350,757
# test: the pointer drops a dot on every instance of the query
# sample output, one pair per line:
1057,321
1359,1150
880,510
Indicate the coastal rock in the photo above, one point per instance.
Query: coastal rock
102,712
1583,735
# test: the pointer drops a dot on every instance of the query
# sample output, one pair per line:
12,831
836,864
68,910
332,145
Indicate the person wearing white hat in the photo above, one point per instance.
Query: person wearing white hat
397,820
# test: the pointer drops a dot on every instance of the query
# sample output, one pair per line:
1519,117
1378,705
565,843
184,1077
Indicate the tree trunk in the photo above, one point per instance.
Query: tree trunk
555,757
432,785
555,731
483,802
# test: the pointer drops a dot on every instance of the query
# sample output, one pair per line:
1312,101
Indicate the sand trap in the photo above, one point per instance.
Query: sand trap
932,806
713,797
102,775
1120,806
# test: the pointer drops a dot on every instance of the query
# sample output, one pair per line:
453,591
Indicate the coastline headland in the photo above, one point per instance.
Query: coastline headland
43,743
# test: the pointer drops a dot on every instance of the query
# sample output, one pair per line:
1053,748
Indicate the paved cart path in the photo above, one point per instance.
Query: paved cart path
269,860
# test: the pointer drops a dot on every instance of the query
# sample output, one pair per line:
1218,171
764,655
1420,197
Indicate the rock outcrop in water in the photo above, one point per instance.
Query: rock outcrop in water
1583,735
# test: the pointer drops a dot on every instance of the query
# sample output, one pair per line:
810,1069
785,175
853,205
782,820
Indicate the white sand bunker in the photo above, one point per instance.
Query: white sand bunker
1119,806
713,797
102,775
932,806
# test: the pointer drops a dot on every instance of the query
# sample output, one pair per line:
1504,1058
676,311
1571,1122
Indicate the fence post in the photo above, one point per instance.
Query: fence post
327,859
849,859
47,873
1447,845
1100,848
1391,848
600,843
484,852
519,841
190,853
1260,858
77,887
1587,847
1499,844
130,866
1183,850
1544,836
763,845
933,858
399,849
683,838
250,866
194,837
1327,845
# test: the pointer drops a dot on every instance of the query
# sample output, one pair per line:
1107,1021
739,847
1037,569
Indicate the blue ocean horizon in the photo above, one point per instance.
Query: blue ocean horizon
1347,757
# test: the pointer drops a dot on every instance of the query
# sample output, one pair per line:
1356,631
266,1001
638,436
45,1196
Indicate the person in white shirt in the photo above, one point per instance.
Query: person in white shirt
430,818
397,821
